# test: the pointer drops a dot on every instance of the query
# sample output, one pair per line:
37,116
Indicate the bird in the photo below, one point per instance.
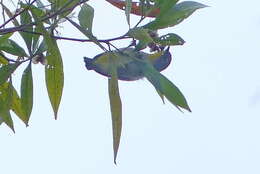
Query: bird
129,62
132,65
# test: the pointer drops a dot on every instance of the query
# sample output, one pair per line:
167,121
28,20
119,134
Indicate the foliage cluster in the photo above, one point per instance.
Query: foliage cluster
37,23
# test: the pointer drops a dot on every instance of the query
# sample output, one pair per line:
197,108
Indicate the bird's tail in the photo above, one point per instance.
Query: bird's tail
88,63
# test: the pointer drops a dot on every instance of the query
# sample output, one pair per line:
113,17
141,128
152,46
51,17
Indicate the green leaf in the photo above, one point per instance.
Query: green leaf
63,7
6,71
13,48
140,34
86,16
172,93
5,37
169,40
116,110
38,11
27,93
161,96
128,8
5,104
68,7
175,15
165,87
54,76
164,5
16,106
141,45
25,20
7,119
3,61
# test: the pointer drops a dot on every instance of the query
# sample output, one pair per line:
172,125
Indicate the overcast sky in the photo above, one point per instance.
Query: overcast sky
217,70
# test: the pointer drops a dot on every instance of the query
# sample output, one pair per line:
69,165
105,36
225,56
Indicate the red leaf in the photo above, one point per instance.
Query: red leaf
136,9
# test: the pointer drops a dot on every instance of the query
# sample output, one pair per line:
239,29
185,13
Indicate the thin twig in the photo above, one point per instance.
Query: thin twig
80,40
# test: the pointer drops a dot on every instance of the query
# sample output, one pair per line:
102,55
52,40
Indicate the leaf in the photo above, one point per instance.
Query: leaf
172,93
164,5
141,45
86,16
7,119
165,87
128,8
169,40
54,76
5,104
5,37
6,71
175,15
36,11
140,34
25,20
161,96
3,61
68,7
136,9
63,6
27,93
16,106
116,110
13,48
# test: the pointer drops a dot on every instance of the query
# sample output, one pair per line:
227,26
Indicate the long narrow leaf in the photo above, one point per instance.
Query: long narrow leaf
7,119
25,20
128,7
16,107
27,92
5,104
116,111
54,75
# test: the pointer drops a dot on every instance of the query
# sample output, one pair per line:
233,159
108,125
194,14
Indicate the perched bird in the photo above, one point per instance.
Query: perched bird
129,63
133,65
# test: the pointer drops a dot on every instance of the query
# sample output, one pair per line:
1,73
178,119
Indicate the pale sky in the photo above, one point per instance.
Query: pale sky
217,70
